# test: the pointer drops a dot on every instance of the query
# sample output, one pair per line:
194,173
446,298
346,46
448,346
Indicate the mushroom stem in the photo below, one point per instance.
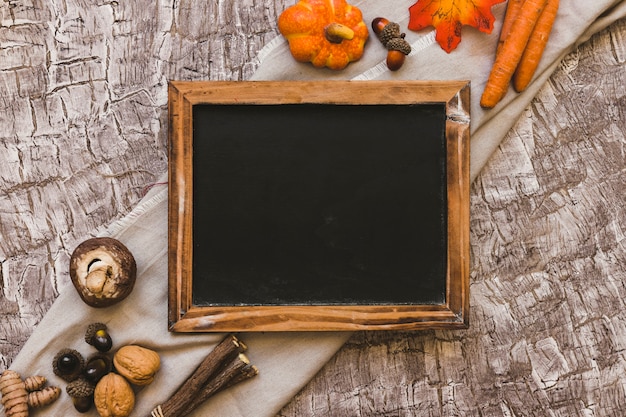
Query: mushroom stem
97,278
337,33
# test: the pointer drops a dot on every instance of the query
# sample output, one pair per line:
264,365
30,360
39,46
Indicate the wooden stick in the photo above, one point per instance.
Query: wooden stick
225,352
246,373
219,382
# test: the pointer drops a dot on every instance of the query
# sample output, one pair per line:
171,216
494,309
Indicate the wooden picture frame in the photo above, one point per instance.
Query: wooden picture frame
446,102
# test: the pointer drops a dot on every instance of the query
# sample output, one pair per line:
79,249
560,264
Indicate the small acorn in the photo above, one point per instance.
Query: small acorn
81,391
68,364
97,366
98,337
392,38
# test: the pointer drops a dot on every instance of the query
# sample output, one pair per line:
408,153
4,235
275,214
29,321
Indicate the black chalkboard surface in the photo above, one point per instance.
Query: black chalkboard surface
318,206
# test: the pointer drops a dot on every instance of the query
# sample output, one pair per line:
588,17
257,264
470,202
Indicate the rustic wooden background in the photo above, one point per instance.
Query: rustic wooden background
83,133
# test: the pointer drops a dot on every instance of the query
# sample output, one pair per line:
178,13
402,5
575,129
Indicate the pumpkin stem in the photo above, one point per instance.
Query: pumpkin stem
337,33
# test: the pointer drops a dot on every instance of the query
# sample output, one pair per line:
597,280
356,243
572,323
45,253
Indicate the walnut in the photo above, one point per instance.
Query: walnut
137,364
113,396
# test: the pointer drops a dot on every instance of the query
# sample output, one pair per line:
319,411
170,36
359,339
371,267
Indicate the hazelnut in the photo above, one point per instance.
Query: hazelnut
103,271
113,396
137,364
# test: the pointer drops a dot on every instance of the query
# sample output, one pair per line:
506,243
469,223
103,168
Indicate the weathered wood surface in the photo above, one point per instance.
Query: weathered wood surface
82,133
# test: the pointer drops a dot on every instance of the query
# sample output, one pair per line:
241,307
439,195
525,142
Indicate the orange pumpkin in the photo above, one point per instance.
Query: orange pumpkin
326,33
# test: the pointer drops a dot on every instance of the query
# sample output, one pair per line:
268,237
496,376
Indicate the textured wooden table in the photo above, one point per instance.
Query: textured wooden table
82,134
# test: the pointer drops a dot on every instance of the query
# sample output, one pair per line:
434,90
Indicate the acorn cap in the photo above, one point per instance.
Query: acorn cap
68,364
98,337
390,31
399,44
92,329
80,388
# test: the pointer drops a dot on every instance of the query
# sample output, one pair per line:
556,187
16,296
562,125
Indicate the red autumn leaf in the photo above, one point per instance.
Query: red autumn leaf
449,16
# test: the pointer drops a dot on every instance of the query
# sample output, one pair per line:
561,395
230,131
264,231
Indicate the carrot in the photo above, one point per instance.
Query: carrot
534,49
512,8
512,49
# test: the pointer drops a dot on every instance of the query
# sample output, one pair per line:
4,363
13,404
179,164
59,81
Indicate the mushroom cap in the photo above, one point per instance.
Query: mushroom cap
103,271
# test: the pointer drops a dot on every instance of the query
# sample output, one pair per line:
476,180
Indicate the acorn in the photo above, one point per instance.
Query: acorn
393,39
96,367
81,391
397,50
98,337
68,364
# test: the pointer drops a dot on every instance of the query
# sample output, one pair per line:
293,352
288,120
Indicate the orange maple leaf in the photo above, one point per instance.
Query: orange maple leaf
449,16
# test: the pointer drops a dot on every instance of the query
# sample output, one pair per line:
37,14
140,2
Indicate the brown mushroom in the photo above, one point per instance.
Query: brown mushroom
103,271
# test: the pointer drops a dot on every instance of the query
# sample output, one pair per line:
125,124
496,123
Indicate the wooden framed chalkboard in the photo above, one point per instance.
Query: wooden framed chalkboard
333,205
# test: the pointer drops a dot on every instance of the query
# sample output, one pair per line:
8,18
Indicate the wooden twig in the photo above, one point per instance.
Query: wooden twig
246,373
218,382
224,366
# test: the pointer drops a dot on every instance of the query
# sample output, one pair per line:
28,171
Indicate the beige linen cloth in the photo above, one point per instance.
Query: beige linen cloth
286,361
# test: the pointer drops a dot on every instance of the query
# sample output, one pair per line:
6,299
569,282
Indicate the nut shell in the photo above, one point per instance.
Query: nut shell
137,364
103,271
97,366
395,59
113,396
